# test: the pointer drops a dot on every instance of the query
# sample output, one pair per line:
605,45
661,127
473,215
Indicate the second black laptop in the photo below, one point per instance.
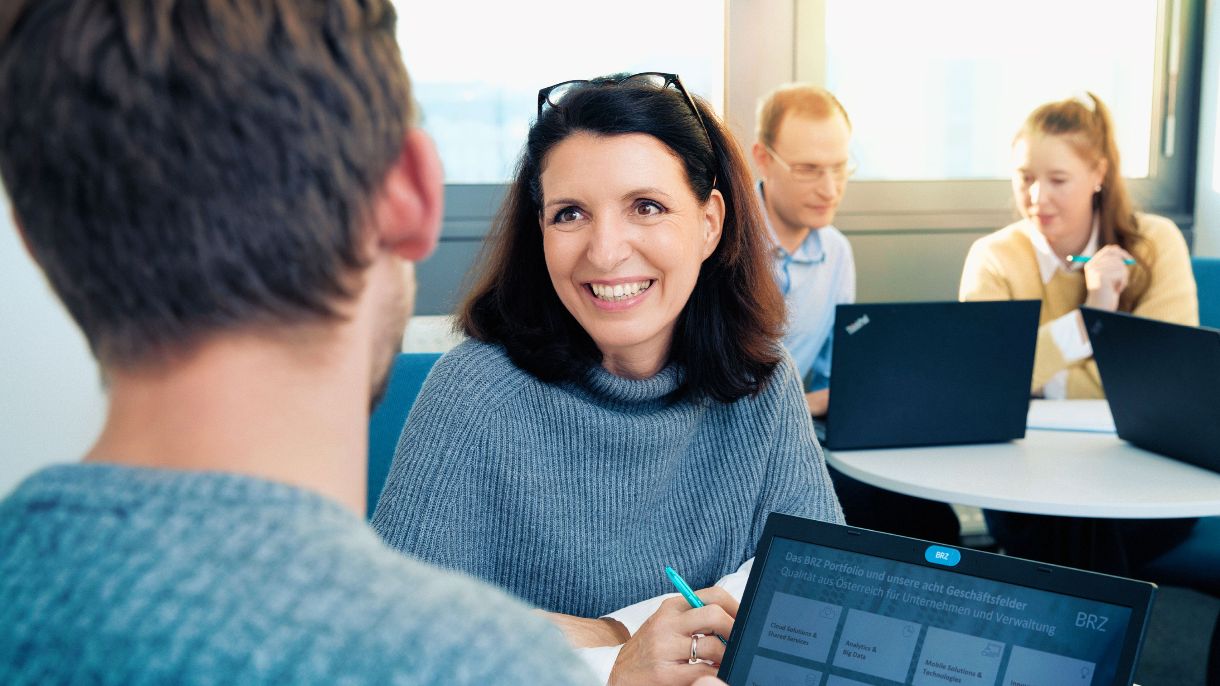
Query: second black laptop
933,373
1162,382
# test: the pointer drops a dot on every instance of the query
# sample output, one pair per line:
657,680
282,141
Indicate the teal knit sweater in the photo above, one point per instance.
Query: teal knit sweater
576,496
116,575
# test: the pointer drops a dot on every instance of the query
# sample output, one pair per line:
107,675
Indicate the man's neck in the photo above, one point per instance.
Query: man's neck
789,236
248,405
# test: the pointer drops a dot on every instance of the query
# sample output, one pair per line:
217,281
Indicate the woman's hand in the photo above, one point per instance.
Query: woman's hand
659,653
1105,277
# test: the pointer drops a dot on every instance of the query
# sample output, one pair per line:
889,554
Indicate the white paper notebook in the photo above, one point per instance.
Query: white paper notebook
1092,416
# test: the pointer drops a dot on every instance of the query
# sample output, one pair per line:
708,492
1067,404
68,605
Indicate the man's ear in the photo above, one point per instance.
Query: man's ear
761,159
410,206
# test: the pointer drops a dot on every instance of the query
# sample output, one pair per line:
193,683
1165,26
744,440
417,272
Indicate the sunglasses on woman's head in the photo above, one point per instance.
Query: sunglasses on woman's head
554,95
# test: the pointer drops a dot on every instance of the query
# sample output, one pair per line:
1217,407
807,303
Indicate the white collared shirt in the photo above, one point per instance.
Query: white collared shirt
1067,331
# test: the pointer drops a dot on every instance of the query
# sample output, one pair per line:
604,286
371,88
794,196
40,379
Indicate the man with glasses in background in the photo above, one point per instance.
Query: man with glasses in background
803,156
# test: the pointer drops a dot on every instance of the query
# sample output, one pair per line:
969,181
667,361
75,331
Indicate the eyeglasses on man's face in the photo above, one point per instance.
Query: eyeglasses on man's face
554,95
814,172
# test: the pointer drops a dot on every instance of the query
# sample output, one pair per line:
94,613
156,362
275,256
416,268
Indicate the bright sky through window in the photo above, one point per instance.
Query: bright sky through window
477,67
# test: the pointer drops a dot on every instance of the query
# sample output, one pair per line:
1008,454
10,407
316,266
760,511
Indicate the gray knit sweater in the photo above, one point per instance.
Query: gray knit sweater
115,575
576,496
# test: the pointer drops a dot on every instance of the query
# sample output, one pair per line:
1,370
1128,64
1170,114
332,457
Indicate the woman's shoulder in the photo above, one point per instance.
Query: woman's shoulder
1156,228
1163,248
477,368
786,371
1008,239
782,386
473,353
1005,253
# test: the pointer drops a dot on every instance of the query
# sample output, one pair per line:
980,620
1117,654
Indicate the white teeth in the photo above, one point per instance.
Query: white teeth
619,291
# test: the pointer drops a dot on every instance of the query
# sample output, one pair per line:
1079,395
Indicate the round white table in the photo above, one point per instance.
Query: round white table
1070,473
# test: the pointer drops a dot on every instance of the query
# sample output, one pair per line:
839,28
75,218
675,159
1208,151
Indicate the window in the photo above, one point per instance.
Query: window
937,91
477,68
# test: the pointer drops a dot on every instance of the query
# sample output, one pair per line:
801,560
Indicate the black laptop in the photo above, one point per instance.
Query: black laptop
830,605
1162,382
934,373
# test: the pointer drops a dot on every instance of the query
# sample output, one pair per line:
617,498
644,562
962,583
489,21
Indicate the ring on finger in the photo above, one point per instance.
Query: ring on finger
694,649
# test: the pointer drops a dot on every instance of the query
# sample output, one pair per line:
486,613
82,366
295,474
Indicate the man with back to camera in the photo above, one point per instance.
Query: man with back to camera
227,198
803,156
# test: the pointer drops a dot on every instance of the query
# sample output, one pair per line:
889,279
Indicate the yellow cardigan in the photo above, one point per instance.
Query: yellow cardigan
1003,266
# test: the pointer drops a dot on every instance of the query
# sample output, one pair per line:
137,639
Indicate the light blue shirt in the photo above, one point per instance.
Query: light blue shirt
818,275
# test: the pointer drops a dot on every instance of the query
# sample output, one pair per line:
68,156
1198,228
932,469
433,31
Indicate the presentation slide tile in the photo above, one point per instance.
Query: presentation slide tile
800,626
844,681
1028,667
949,657
767,672
876,644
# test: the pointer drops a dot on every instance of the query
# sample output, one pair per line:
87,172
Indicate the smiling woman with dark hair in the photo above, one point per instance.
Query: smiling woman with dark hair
725,339
624,402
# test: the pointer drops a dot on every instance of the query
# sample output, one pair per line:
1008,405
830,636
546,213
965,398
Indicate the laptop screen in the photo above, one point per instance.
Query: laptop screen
968,362
1158,402
817,615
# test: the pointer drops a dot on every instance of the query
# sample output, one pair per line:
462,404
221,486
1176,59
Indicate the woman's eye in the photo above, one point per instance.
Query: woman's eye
648,208
567,215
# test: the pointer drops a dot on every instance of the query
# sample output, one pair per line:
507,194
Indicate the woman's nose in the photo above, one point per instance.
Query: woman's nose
608,245
1035,192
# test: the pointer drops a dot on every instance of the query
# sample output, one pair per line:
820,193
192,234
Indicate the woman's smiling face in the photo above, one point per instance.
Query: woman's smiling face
624,237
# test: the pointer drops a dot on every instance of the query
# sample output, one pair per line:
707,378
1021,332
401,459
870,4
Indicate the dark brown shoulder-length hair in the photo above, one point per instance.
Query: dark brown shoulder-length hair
726,339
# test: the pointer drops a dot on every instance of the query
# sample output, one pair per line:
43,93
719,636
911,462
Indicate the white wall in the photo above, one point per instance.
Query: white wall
1207,193
51,401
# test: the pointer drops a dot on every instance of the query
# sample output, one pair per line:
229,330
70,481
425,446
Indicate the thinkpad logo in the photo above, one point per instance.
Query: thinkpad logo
857,325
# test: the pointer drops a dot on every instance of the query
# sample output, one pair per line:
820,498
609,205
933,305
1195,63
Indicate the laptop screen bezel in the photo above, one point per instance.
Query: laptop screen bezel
1128,593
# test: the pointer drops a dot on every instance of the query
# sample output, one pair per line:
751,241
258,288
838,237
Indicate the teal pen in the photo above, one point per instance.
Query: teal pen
1082,259
685,590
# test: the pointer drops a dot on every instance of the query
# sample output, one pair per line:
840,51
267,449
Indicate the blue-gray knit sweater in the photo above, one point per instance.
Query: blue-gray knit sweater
117,575
575,496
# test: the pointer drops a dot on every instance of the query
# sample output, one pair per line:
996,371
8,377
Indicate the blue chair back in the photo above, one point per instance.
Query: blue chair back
1207,278
385,426
1194,563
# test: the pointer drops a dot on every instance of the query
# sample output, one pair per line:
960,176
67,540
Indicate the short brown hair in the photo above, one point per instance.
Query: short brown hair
804,99
183,168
